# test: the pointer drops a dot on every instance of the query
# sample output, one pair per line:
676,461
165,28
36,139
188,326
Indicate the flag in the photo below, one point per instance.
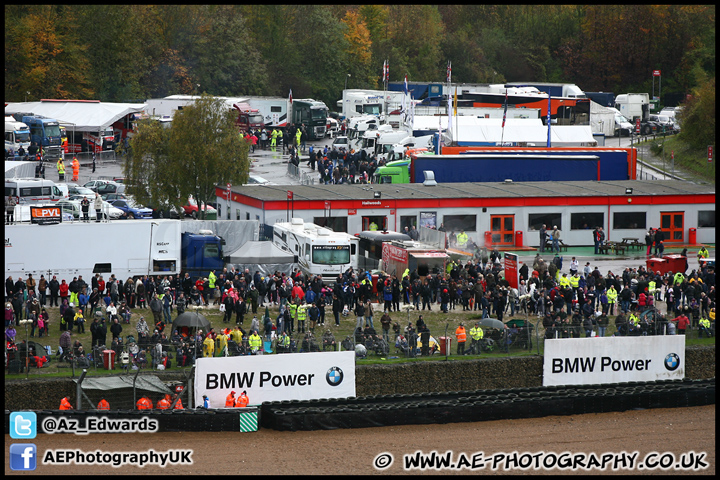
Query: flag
455,103
290,97
384,72
549,120
449,72
404,99
450,117
505,109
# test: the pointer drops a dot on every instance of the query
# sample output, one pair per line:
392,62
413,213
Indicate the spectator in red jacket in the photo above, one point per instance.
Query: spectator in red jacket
682,323
64,290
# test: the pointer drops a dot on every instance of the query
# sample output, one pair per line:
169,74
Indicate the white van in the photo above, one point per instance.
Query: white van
32,190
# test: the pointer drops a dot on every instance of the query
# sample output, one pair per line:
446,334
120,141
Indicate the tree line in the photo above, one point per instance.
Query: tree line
133,52
122,53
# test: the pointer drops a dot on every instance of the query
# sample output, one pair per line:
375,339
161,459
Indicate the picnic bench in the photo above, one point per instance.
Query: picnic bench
632,242
617,248
562,245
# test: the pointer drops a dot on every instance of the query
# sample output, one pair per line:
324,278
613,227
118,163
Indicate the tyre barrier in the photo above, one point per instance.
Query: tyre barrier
484,405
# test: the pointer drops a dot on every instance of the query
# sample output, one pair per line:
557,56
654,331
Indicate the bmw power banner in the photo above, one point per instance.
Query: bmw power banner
595,360
266,378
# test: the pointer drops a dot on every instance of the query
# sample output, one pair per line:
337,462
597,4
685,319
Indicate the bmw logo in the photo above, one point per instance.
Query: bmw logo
672,361
334,376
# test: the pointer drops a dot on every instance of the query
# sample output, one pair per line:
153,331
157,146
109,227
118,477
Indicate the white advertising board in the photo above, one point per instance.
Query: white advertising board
583,361
266,378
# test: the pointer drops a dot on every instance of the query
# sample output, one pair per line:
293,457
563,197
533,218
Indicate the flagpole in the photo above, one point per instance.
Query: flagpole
502,133
549,121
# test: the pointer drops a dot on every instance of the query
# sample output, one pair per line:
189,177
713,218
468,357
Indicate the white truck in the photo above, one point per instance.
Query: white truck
17,135
127,248
608,121
356,102
633,105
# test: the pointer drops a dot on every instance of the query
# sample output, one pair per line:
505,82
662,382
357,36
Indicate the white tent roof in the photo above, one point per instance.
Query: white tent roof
84,116
260,252
489,131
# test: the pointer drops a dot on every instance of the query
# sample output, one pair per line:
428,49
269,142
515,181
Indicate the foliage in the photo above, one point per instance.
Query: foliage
133,52
698,116
200,150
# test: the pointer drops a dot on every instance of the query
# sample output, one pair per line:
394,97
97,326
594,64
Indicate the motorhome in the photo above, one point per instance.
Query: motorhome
319,250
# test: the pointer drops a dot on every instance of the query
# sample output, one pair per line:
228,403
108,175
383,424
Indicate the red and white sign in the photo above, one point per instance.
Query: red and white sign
710,153
391,253
511,269
352,211
656,73
290,195
637,126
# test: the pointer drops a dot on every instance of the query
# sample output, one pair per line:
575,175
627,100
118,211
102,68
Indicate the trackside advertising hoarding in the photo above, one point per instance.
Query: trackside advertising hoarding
583,361
266,378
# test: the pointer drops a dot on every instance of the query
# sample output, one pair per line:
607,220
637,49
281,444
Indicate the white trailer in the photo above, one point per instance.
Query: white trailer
126,248
357,102
319,250
273,109
167,106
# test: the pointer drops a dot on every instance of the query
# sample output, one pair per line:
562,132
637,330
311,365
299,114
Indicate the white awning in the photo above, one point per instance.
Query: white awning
83,116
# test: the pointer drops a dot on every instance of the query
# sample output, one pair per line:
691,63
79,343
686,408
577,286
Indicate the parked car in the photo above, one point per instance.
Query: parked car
258,180
191,210
340,142
109,197
73,206
165,211
132,209
105,186
664,121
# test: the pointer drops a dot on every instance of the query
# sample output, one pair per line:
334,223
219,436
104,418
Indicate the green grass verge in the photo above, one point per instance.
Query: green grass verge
436,321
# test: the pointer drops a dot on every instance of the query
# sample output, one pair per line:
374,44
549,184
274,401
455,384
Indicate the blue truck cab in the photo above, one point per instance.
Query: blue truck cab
202,252
45,132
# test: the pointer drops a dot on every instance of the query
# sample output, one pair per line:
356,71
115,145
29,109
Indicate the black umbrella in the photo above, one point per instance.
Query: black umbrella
491,323
191,321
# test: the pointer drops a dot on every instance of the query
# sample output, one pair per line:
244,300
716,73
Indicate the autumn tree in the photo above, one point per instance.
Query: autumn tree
43,56
359,51
200,150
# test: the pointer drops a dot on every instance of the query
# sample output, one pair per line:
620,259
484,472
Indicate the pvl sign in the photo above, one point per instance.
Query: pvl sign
45,215
595,360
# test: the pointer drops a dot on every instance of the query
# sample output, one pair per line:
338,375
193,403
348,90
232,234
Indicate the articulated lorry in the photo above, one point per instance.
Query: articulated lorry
636,106
487,164
45,132
126,248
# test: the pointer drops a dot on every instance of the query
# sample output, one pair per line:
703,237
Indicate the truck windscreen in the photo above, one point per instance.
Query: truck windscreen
331,254
318,114
52,130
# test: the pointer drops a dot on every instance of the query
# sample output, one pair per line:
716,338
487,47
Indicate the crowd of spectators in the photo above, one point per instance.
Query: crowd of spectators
570,305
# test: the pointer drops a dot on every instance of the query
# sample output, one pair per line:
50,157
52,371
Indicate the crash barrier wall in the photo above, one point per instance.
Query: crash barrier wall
482,405
414,377
200,420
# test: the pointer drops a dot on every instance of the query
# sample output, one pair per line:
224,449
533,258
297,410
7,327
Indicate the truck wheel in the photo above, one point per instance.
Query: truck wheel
194,215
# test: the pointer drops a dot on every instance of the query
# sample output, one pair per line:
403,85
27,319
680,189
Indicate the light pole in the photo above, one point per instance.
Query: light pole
346,79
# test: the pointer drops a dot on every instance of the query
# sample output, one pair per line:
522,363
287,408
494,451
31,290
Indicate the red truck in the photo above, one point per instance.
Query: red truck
248,117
